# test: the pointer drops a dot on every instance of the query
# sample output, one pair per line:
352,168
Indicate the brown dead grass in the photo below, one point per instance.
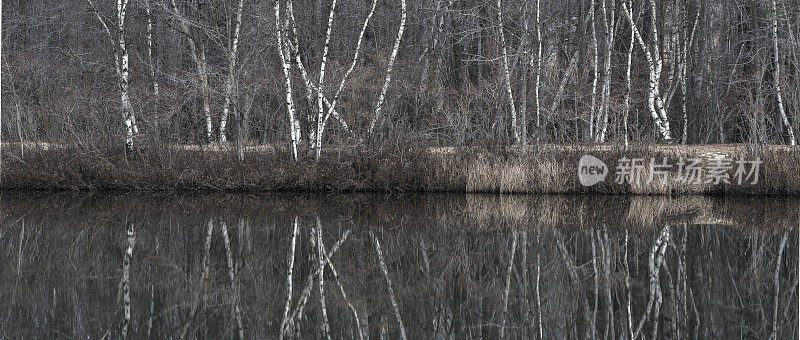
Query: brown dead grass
536,169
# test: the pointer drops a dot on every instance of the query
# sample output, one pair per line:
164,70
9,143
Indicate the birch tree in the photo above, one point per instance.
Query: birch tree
320,109
777,75
316,131
595,69
117,38
387,80
197,50
536,83
506,72
683,61
150,61
655,103
628,81
294,124
229,84
332,106
525,67
610,28
309,85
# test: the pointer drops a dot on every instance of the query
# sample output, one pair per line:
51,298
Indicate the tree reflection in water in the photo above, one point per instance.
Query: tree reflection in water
444,266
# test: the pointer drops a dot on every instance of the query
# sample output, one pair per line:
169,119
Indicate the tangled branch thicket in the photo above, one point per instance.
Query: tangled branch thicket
464,72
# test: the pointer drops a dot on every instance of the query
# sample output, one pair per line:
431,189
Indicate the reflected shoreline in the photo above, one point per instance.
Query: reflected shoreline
468,210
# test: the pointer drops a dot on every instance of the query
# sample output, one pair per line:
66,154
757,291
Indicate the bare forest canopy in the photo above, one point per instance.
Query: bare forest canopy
105,73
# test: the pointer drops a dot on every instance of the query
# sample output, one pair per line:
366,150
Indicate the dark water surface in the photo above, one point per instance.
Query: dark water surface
77,265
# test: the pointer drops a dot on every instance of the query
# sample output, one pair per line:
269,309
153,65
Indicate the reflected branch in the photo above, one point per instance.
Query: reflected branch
232,280
389,286
654,263
200,292
508,283
292,248
298,310
326,333
777,282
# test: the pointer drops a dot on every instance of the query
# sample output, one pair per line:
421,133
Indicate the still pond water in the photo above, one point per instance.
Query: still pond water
78,265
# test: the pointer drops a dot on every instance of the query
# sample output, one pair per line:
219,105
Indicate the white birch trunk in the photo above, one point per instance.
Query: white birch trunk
777,75
536,84
121,68
628,84
317,145
684,64
229,84
659,64
388,79
332,106
294,124
609,24
654,101
524,50
389,287
122,8
151,63
310,87
596,72
506,72
130,128
202,67
150,49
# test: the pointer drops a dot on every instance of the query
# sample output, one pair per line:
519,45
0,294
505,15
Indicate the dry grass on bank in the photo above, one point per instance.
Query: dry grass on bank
537,169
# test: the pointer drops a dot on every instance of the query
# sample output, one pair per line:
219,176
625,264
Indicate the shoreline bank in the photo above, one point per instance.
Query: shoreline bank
542,169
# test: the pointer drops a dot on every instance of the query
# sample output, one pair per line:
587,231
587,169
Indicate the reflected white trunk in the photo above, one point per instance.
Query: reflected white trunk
385,271
126,278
